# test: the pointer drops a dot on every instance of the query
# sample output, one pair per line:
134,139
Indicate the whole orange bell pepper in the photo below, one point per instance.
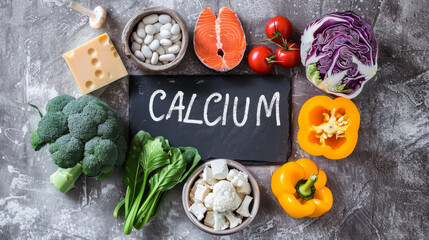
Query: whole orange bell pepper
328,127
300,189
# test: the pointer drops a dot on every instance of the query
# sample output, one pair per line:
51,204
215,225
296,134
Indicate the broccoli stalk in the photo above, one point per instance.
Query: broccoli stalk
64,178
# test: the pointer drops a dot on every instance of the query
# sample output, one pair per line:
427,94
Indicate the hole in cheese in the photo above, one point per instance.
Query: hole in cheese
89,84
91,52
99,73
112,48
109,75
95,62
115,54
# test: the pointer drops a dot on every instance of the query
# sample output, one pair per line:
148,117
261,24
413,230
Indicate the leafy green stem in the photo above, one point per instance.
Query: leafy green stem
118,208
129,220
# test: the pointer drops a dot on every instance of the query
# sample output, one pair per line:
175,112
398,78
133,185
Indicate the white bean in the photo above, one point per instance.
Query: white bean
166,57
174,49
147,60
166,26
178,43
139,55
165,42
154,59
158,26
154,45
151,19
175,29
164,18
160,50
165,62
141,25
176,38
150,29
173,21
146,52
137,38
165,34
157,36
135,46
148,39
141,32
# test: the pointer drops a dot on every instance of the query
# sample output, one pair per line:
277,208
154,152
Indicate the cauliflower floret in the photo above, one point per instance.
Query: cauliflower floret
220,222
208,201
225,197
243,210
232,219
237,178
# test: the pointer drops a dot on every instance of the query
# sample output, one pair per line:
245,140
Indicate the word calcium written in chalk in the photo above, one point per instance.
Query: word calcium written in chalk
177,105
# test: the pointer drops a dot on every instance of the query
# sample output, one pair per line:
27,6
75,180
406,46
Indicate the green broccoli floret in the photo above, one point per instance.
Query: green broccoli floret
66,151
77,106
85,136
57,103
109,129
100,155
82,127
36,142
96,111
52,126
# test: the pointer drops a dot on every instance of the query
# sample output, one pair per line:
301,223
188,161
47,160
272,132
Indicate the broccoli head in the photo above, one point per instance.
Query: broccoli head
66,151
36,142
85,135
57,103
82,126
100,155
52,126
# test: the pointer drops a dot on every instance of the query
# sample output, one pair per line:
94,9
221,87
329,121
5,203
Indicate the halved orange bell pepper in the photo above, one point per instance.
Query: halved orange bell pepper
328,127
300,189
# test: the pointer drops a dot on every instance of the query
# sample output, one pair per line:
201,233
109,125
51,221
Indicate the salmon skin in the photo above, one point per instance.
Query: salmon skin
219,42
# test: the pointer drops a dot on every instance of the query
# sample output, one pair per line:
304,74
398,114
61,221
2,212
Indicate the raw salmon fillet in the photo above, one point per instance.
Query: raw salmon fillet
219,42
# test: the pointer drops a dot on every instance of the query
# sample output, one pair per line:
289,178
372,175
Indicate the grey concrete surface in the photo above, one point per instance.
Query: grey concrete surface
380,191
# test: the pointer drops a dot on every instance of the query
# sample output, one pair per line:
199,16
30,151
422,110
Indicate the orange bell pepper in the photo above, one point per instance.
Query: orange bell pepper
300,189
328,127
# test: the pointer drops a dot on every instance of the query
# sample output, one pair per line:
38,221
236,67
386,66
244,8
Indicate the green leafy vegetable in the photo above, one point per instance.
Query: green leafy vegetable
192,158
152,168
132,167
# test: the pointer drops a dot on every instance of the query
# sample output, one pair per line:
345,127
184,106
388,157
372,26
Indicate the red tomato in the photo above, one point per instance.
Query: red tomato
279,26
288,56
261,59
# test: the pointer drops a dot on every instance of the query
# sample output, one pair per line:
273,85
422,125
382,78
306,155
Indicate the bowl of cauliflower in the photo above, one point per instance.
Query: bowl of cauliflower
221,197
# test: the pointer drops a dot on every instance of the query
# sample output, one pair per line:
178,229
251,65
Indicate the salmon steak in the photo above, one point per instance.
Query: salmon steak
219,42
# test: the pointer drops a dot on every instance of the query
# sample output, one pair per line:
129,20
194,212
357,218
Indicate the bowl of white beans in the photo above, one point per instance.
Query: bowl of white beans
155,39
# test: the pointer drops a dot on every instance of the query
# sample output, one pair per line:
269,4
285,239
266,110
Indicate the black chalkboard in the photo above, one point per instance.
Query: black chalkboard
266,142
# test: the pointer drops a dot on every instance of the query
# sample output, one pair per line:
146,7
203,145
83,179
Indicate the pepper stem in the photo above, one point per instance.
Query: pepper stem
305,188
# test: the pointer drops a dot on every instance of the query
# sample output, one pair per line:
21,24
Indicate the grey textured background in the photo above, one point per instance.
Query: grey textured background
380,191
